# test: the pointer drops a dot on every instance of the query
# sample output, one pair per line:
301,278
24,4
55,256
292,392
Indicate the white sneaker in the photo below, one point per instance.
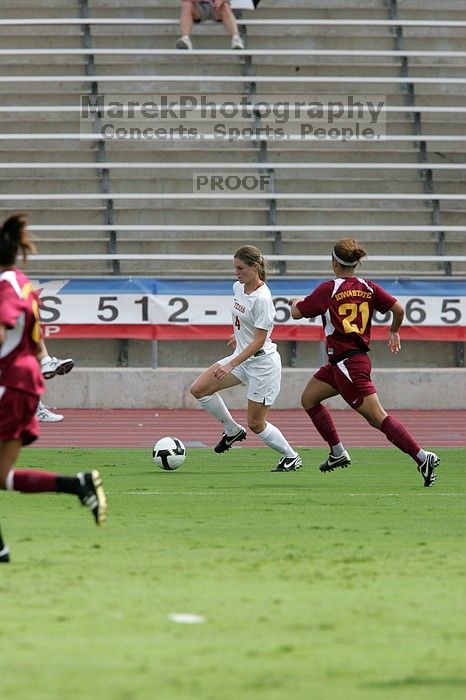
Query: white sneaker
44,415
184,42
237,42
51,366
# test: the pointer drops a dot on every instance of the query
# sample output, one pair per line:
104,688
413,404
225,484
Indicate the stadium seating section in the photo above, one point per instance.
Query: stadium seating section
129,206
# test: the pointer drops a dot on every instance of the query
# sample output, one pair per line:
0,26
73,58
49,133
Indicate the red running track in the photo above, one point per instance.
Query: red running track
142,427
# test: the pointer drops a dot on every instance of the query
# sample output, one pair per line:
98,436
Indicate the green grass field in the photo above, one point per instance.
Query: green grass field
347,586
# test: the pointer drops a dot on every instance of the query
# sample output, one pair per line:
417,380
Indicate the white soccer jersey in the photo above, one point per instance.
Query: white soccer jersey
251,311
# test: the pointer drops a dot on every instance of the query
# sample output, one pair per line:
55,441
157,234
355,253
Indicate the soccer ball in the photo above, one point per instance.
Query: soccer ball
169,453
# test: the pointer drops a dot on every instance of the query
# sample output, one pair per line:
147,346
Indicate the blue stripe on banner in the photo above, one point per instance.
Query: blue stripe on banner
279,287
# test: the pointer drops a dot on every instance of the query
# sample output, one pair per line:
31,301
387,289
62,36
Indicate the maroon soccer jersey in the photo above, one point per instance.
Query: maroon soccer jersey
346,306
19,368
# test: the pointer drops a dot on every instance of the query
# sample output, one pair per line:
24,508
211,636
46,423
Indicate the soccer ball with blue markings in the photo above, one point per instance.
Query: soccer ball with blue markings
169,453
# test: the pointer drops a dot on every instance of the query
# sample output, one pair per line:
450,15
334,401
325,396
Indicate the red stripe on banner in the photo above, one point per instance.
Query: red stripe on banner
221,332
451,333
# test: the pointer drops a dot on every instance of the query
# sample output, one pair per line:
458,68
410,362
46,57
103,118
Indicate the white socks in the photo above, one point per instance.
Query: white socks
9,481
421,455
274,439
337,450
215,405
271,435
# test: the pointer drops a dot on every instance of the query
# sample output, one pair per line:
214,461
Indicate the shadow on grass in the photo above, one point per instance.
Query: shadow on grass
416,682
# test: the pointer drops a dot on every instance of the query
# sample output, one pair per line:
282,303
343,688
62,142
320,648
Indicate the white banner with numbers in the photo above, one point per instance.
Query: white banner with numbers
182,309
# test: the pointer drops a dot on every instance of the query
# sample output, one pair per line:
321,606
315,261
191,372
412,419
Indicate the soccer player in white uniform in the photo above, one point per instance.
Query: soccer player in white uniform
254,362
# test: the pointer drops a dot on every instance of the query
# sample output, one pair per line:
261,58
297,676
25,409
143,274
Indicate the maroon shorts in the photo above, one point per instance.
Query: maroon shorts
18,416
351,378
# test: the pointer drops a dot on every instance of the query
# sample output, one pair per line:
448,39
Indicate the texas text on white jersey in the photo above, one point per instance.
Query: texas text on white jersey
251,311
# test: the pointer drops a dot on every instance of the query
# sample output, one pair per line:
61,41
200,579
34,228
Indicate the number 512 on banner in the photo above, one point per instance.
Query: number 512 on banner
213,310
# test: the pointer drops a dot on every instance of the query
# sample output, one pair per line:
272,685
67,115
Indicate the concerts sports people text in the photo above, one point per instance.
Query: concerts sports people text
21,383
254,362
346,305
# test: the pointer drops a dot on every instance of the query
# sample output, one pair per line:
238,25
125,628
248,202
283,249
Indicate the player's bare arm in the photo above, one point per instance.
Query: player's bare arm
394,342
295,312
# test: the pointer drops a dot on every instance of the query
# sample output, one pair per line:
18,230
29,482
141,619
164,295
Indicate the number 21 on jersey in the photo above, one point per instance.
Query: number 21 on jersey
355,317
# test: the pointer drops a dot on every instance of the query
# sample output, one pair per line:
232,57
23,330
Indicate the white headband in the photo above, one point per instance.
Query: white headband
342,262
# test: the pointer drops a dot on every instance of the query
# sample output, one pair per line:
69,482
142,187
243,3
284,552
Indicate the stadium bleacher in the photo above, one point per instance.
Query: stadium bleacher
104,207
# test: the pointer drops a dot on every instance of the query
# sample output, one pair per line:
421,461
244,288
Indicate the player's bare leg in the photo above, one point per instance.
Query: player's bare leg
372,410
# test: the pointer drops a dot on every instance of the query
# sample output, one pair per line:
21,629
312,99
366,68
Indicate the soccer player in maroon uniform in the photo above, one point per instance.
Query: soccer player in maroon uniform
347,304
21,383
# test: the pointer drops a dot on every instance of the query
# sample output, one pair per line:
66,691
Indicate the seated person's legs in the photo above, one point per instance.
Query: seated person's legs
203,11
225,14
190,12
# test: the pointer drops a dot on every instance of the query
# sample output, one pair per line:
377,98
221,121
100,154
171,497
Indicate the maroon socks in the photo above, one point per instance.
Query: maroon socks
324,424
399,436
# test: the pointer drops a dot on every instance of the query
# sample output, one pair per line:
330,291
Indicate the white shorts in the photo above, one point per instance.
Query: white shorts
261,375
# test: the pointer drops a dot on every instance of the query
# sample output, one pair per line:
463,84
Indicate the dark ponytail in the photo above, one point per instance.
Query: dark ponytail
14,237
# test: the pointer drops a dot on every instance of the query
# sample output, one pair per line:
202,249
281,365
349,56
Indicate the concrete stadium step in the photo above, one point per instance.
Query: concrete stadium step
346,216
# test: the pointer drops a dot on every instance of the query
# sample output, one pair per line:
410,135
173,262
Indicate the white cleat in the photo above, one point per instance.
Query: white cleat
92,495
428,467
333,462
288,464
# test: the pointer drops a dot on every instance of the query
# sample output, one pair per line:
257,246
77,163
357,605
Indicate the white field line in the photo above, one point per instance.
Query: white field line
216,492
